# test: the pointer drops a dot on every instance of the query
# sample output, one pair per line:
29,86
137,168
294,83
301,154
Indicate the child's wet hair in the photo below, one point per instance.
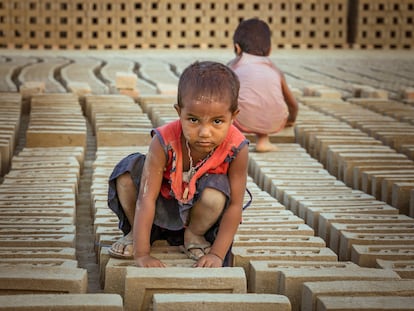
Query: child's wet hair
253,36
208,81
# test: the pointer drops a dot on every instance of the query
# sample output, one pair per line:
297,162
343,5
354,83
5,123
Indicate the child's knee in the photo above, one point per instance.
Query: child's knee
213,200
124,181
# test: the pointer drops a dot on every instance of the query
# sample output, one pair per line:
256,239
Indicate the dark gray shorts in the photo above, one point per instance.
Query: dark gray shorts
169,214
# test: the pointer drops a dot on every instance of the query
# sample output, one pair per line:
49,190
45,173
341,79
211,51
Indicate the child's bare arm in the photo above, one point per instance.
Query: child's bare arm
145,210
290,101
232,215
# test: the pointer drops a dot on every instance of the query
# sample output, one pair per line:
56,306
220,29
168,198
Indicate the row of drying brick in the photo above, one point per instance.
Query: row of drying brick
38,205
270,241
308,190
86,76
10,118
368,142
38,210
254,240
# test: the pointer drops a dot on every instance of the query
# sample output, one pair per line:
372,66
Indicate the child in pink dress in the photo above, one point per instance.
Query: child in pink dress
265,101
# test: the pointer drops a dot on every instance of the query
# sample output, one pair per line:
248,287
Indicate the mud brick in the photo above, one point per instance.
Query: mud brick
277,229
292,279
43,280
38,240
30,88
264,275
404,268
411,211
401,196
38,262
126,80
348,239
378,303
23,220
38,212
301,200
270,204
387,184
324,142
276,219
277,187
122,137
37,252
9,202
374,93
243,255
312,290
170,255
312,213
351,168
367,177
142,283
341,164
38,302
68,163
265,174
32,185
115,270
27,171
371,164
382,228
407,93
326,219
292,198
346,162
51,138
228,302
38,189
80,89
366,255
274,240
134,94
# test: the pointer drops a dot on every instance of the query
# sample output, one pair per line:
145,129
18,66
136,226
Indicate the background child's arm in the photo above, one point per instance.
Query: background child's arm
232,215
290,101
145,209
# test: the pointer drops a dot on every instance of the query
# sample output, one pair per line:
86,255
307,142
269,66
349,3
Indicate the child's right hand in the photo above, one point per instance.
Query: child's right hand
148,261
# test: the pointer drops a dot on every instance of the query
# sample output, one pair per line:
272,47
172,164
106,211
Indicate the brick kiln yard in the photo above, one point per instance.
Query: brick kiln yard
330,227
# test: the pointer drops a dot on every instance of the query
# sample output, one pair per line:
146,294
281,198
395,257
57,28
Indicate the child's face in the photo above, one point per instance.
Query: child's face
205,123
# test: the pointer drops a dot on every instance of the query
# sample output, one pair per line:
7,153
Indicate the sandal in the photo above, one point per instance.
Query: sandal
125,242
187,250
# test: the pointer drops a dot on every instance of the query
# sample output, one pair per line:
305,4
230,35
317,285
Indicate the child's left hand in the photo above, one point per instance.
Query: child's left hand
209,261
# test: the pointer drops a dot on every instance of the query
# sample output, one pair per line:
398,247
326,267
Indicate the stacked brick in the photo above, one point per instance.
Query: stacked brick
382,24
392,129
312,239
56,120
117,120
70,24
10,119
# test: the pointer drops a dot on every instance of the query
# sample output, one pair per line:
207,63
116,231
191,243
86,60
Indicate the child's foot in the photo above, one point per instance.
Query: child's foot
195,246
123,248
265,147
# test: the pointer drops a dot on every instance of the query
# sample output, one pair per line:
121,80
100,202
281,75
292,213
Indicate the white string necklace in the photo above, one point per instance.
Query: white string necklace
193,169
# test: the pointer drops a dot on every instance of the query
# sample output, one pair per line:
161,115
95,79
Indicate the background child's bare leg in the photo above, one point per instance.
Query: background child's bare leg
204,214
263,143
127,195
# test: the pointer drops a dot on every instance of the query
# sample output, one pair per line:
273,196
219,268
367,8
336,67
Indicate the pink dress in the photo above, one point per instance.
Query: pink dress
262,106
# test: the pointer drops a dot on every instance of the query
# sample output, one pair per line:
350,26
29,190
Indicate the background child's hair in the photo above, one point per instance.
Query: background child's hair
208,81
253,37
